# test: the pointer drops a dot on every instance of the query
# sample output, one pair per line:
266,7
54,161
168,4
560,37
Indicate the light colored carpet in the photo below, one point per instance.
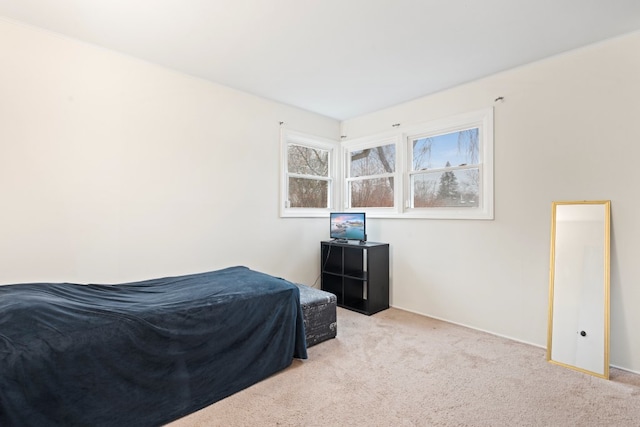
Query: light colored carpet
401,369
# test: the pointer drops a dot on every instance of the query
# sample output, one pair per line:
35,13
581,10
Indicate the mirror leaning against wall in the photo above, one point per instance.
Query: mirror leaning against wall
578,330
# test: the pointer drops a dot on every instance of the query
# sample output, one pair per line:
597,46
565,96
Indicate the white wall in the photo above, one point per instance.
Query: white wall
566,130
113,169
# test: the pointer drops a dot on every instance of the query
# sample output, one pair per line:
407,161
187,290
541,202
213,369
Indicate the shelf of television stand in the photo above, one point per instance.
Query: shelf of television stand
351,275
357,273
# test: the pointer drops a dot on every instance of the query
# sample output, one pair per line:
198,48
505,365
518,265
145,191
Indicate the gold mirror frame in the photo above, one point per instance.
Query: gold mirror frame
575,299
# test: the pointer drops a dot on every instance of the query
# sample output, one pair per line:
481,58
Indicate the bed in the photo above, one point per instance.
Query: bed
142,353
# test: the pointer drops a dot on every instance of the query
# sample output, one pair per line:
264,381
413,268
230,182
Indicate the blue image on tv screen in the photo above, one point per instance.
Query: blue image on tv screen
348,226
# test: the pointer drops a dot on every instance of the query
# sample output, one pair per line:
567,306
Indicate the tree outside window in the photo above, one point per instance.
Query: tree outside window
446,170
308,173
371,177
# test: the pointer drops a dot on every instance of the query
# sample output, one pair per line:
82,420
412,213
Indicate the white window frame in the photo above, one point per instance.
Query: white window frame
362,144
288,137
481,119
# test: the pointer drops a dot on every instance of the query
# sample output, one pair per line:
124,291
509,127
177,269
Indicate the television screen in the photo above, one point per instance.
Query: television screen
348,226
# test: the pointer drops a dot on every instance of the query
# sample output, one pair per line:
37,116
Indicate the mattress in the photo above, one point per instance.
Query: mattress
141,353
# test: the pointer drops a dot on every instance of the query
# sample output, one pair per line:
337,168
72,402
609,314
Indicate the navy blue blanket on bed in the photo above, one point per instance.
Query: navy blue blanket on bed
143,353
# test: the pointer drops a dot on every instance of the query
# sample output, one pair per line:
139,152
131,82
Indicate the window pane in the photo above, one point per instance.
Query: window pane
457,149
372,193
308,193
373,161
457,188
307,160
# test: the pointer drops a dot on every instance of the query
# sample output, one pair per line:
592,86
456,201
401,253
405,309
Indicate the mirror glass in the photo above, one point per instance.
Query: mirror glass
578,335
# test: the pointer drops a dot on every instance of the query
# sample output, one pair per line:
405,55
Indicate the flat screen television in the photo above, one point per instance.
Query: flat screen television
348,226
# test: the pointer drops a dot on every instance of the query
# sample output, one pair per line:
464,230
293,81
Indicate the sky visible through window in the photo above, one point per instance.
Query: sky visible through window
434,152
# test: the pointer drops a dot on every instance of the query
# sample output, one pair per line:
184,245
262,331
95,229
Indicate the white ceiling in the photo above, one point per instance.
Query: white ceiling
339,58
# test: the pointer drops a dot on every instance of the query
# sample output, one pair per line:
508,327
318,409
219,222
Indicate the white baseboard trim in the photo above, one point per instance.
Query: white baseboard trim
471,327
625,369
544,347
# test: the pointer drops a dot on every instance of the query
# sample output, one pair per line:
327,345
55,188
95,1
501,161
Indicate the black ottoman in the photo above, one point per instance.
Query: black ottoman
319,312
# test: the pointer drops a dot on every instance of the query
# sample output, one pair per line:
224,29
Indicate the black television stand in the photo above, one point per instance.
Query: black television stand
358,274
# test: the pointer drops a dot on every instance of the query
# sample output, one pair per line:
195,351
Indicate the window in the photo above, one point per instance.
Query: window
371,180
441,169
445,170
450,168
308,175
